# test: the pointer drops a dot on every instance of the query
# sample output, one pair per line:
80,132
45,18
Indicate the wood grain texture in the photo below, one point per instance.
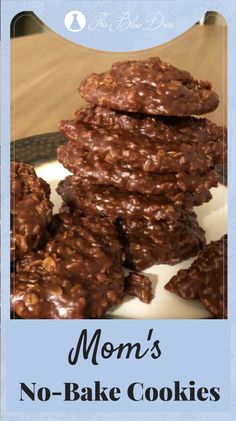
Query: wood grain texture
46,70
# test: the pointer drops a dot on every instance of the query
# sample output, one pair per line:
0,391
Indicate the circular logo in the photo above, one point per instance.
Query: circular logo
75,21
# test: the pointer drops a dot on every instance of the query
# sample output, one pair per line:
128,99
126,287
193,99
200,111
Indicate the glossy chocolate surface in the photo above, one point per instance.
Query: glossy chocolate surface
206,279
77,274
94,200
31,209
147,242
90,166
149,143
149,86
140,286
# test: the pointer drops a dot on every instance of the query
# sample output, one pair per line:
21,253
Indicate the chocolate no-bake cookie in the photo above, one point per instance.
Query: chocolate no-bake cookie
149,86
147,242
206,279
31,209
78,273
111,202
152,144
90,166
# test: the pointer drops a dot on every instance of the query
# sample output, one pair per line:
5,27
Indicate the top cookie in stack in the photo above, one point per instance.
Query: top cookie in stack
149,86
137,154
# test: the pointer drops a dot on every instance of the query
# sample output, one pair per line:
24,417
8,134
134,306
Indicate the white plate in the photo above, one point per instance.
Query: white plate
212,217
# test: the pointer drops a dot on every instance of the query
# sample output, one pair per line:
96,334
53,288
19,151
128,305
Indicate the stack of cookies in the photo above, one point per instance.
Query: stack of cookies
141,160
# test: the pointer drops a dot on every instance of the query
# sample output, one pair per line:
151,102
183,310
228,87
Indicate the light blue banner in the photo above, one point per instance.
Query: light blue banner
188,351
